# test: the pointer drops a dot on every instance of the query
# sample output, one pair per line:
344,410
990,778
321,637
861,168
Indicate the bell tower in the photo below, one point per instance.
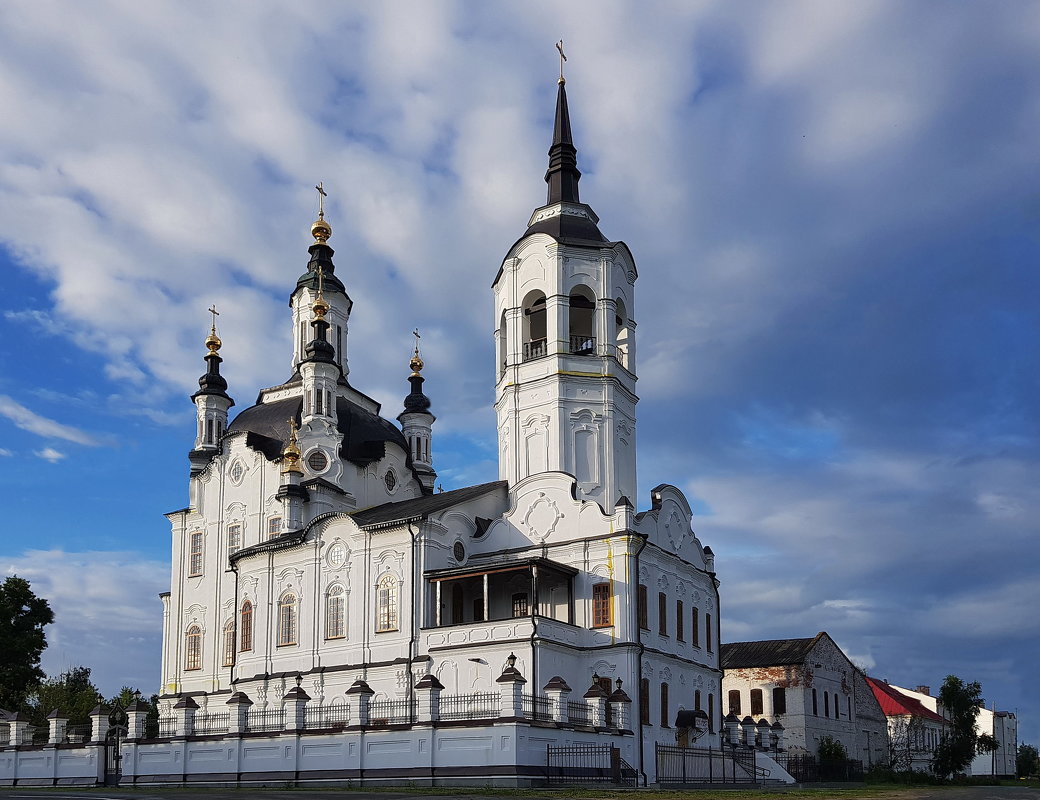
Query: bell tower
565,341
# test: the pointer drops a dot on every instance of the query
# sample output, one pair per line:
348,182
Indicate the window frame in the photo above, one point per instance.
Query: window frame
708,638
781,706
662,614
733,698
757,701
245,621
644,701
196,553
387,604
193,648
602,611
664,705
335,613
680,627
229,643
520,605
695,627
642,612
274,526
288,619
234,538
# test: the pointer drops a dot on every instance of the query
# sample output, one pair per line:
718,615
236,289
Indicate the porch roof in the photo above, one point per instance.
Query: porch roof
475,569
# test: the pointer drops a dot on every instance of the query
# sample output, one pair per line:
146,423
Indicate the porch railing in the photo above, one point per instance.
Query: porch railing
583,345
534,349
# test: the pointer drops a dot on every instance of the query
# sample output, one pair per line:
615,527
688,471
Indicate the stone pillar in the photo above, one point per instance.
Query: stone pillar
98,723
296,700
511,690
596,698
184,712
731,725
558,691
136,717
749,729
428,699
58,723
238,707
777,737
620,707
362,695
18,726
763,733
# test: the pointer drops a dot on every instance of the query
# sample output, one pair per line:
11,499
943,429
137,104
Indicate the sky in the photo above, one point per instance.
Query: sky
834,211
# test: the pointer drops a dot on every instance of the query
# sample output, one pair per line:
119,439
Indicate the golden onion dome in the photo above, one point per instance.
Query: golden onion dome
321,230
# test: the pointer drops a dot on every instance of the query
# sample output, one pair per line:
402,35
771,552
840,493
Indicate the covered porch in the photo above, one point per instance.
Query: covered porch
486,593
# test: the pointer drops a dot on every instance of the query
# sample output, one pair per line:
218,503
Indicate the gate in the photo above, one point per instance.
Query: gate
114,737
678,766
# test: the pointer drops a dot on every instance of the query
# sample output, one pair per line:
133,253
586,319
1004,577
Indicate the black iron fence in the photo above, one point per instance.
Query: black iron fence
578,713
810,769
536,707
705,765
167,727
588,763
391,712
265,719
218,722
320,717
478,705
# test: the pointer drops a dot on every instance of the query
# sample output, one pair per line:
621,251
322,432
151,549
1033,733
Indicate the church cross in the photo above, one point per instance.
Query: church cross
415,333
213,311
321,199
563,57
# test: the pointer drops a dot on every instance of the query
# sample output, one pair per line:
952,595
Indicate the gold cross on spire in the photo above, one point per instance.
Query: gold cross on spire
563,57
416,363
321,199
214,313
415,333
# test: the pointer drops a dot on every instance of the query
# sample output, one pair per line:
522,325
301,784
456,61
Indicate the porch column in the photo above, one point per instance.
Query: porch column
18,726
487,602
620,703
534,590
136,716
437,615
731,725
596,699
511,690
184,711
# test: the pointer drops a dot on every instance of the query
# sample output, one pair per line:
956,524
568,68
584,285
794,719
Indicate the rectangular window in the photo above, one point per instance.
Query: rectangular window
641,610
697,700
274,527
339,345
711,713
334,617
826,704
664,705
197,551
707,631
815,705
234,539
303,340
662,613
601,605
848,705
644,701
680,627
756,703
210,438
245,639
779,700
520,605
695,627
734,701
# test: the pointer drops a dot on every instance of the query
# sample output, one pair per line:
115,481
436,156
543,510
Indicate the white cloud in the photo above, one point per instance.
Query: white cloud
5,452
30,421
50,454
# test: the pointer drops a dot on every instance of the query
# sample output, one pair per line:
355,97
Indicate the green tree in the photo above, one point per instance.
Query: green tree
960,743
72,692
830,749
23,616
1028,761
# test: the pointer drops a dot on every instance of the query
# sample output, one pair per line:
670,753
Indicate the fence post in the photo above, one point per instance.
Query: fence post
238,712
57,724
18,725
364,694
296,700
98,723
184,711
558,691
136,717
620,703
511,691
596,698
428,699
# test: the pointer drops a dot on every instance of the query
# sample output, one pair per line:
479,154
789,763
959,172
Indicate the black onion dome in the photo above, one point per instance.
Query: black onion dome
365,435
321,255
213,383
416,402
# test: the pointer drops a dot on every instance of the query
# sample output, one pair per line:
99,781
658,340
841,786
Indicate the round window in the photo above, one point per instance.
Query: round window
317,461
390,479
459,551
237,470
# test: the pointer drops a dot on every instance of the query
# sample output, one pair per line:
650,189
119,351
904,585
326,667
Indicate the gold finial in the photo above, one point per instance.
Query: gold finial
291,453
321,230
320,307
559,46
416,363
213,341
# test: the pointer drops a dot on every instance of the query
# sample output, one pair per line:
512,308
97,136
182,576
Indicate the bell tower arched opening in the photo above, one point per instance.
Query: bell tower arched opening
622,335
582,321
534,326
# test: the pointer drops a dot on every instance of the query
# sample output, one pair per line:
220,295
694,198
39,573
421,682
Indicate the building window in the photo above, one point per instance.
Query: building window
711,713
274,527
229,643
695,627
317,461
680,627
815,705
779,700
697,700
390,479
641,611
664,705
826,704
386,604
457,616
234,539
287,612
707,631
520,604
848,705
245,638
198,552
756,702
662,613
334,622
601,605
734,701
193,648
644,701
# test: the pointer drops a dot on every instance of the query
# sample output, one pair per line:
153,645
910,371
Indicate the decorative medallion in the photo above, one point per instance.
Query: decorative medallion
459,552
542,517
390,479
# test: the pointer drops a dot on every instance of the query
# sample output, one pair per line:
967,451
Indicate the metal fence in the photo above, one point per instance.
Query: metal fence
336,716
705,765
265,719
167,727
578,713
391,712
536,708
810,769
588,763
218,722
478,705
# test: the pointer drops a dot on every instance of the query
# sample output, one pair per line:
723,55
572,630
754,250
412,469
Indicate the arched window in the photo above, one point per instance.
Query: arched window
197,554
193,648
664,705
245,639
622,334
229,643
334,620
503,344
582,321
287,619
386,604
534,326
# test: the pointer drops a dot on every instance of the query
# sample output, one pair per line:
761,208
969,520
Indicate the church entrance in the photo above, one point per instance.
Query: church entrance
114,747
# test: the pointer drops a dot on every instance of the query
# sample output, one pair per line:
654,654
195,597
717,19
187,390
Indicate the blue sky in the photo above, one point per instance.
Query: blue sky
833,207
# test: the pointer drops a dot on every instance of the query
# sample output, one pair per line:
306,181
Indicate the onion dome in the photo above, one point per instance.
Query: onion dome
416,402
319,348
213,383
291,452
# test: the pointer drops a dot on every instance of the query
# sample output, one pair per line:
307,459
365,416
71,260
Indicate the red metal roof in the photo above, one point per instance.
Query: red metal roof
896,704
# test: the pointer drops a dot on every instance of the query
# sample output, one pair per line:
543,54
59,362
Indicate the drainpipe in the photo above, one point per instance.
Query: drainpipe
534,628
234,624
639,662
417,608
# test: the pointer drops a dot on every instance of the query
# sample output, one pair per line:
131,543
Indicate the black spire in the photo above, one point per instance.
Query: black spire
416,402
213,383
562,175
